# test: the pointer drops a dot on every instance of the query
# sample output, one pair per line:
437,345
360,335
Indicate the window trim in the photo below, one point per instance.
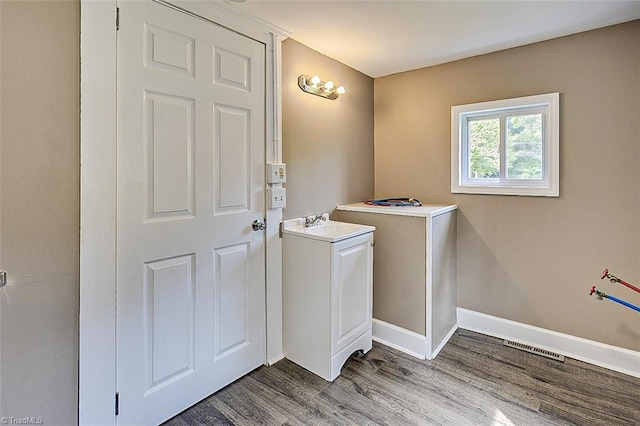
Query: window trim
548,186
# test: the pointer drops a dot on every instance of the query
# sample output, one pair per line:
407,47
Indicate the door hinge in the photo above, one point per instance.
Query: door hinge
117,18
3,278
117,403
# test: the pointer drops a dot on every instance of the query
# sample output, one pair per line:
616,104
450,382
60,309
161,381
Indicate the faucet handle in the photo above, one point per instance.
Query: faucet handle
315,219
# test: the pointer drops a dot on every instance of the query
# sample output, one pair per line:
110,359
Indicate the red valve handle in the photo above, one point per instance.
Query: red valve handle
604,274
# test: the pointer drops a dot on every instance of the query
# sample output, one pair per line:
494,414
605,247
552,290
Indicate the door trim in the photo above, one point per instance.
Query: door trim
98,42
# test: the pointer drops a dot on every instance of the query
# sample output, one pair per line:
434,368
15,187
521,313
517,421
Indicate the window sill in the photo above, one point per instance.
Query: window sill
526,191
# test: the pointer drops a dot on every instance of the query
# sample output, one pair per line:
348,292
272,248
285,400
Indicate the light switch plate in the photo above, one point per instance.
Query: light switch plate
277,198
276,173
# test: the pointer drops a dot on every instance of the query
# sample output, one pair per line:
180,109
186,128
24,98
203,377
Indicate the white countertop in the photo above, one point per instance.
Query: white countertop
427,210
329,230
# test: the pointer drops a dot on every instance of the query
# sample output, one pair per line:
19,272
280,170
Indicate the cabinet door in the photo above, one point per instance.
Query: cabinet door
351,289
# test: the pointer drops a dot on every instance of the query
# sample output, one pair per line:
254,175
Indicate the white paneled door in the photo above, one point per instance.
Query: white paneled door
190,269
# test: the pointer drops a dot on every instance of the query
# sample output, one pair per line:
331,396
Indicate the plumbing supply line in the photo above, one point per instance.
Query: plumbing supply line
614,279
395,202
600,295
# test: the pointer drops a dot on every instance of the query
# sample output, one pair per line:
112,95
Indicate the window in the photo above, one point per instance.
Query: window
507,147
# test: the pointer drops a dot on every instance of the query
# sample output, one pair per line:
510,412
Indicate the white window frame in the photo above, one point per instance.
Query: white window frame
549,186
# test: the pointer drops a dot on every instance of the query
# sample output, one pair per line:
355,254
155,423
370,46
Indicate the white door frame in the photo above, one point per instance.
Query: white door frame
97,369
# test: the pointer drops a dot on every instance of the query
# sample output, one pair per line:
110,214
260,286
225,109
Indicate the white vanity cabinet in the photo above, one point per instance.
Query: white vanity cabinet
327,296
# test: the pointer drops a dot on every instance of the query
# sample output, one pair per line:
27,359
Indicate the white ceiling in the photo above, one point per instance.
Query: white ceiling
380,38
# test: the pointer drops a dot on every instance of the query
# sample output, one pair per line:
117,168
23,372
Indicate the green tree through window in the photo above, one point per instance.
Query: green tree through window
524,146
484,144
523,142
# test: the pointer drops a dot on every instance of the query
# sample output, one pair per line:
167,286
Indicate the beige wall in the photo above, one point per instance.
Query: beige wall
327,145
532,259
39,184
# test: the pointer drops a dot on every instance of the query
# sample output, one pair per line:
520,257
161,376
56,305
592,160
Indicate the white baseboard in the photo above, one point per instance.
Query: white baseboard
399,338
612,357
275,359
437,350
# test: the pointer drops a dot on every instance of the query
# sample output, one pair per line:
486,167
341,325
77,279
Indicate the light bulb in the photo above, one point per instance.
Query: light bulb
328,85
340,90
315,80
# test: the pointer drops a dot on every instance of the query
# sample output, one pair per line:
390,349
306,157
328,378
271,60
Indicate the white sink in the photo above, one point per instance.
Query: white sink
328,230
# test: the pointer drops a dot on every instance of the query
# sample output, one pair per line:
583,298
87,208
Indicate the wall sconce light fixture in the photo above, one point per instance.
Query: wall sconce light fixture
315,86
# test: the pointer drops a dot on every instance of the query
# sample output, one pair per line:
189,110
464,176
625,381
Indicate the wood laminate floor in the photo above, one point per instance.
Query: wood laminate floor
475,380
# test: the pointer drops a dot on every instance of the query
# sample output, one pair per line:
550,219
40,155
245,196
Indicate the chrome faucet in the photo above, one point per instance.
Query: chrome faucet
314,220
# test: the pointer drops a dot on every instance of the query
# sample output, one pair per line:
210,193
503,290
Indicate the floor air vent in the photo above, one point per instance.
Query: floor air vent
534,350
